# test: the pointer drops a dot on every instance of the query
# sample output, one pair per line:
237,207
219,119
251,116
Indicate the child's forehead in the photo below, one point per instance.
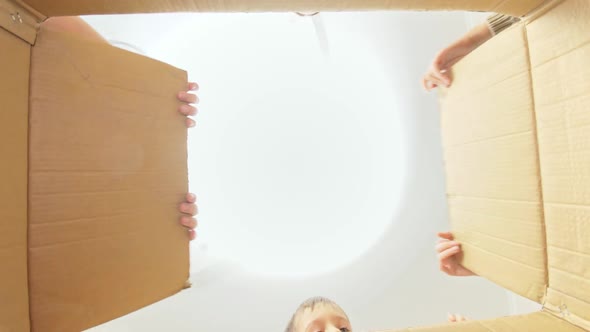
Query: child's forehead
323,307
321,311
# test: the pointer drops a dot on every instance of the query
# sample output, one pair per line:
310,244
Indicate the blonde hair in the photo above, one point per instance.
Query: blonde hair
310,303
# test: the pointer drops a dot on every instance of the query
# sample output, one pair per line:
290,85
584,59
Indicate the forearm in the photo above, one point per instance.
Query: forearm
74,25
474,38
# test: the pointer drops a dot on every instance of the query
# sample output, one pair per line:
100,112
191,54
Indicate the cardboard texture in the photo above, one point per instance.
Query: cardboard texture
14,95
523,153
560,69
106,163
88,205
494,192
82,7
16,19
106,177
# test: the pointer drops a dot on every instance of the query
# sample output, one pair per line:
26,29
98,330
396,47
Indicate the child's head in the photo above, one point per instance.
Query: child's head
319,314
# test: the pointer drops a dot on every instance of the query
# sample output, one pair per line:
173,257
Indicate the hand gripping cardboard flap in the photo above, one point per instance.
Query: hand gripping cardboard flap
508,239
90,262
493,181
93,169
107,170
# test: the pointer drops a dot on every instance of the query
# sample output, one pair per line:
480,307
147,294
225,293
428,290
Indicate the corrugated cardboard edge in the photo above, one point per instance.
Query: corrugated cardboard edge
533,322
69,8
541,10
536,134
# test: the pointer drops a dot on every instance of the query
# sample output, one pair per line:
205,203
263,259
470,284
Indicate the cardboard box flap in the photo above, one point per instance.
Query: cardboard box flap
84,7
560,56
18,20
14,94
536,322
107,172
492,167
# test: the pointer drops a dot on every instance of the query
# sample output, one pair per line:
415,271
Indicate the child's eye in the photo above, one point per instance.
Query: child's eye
344,329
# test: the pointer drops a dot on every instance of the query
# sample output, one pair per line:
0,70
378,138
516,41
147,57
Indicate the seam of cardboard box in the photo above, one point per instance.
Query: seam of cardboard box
29,187
562,312
40,17
499,4
541,10
536,133
559,312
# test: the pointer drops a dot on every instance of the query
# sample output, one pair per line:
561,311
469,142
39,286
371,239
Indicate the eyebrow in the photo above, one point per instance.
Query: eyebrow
339,319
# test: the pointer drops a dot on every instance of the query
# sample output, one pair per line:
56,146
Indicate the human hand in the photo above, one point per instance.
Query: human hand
439,73
450,255
189,211
188,98
455,318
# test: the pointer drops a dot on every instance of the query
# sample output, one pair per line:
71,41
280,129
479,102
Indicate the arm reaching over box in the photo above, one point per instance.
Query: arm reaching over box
449,256
439,72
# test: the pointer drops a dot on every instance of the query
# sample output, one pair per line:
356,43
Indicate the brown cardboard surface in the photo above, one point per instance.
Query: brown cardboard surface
80,7
560,57
492,166
18,20
14,94
536,322
107,172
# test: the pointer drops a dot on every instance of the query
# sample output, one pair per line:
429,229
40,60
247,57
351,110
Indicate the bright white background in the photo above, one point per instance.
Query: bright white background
318,169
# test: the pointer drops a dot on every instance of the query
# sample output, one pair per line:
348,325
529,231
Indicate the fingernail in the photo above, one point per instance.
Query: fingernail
186,207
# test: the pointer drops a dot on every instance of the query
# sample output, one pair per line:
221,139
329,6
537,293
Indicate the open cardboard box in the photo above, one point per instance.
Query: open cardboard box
94,163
